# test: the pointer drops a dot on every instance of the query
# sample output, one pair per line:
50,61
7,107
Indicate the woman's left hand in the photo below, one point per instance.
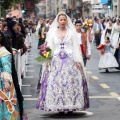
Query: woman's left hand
79,66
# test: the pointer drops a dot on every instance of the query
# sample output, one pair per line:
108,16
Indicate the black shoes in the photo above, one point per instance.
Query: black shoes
107,71
70,113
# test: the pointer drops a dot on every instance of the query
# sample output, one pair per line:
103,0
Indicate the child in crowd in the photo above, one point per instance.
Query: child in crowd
107,59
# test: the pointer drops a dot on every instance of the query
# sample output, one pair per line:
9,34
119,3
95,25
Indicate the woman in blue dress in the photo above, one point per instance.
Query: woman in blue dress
11,100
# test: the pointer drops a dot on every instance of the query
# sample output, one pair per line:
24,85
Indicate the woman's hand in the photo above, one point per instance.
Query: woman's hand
78,65
47,65
7,86
14,52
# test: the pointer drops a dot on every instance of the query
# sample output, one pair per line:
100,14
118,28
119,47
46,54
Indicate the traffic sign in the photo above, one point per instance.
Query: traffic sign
105,7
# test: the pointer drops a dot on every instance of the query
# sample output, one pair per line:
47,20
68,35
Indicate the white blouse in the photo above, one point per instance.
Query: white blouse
71,45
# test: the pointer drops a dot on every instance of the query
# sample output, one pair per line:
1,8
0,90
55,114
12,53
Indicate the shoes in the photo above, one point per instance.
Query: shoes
61,113
70,112
107,71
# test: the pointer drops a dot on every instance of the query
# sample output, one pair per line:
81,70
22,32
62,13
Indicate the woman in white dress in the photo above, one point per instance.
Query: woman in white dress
115,40
115,35
106,32
64,86
107,59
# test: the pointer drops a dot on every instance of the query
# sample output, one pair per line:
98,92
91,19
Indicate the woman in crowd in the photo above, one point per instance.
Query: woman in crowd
106,32
11,99
115,40
108,29
64,88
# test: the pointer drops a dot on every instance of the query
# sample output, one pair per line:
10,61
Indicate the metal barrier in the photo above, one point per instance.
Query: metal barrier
21,62
29,39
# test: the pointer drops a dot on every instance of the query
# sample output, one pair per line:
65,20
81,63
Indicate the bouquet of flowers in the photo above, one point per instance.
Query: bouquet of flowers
88,24
101,46
44,53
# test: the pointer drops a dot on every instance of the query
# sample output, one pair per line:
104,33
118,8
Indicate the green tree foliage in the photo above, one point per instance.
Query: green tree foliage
7,4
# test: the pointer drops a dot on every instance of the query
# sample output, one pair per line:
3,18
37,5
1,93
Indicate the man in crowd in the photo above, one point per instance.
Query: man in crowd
97,30
83,42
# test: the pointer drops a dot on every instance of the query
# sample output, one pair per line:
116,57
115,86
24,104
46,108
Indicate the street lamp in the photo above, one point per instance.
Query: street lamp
1,1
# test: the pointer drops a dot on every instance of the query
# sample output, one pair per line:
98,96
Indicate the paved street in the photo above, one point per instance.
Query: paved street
104,90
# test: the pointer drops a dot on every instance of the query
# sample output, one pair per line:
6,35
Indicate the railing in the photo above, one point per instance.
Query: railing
21,63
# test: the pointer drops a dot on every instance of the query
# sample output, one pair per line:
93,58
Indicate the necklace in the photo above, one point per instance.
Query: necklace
62,29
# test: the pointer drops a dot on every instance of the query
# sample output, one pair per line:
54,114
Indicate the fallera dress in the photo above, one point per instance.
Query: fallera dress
63,86
107,60
9,108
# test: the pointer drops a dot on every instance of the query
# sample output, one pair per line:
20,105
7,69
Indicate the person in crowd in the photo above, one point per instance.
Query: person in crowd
49,23
97,29
105,23
106,32
20,39
107,59
83,42
1,26
117,54
11,99
114,19
38,27
12,26
115,34
26,28
115,38
31,27
4,27
42,33
64,88
109,29
22,27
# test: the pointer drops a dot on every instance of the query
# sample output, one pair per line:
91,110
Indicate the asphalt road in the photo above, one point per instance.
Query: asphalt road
104,91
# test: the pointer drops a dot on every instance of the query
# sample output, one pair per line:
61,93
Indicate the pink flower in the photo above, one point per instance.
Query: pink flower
42,47
44,52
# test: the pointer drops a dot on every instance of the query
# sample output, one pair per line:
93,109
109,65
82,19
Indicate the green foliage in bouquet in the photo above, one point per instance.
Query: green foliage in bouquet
44,55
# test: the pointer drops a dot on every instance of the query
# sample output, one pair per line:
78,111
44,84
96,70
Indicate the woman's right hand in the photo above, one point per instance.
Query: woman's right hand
47,65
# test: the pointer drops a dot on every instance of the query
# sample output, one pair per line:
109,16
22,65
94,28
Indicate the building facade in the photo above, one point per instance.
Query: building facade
112,11
116,7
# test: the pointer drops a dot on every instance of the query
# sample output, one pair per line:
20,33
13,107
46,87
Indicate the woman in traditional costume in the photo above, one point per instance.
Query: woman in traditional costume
64,85
106,32
11,100
115,40
107,59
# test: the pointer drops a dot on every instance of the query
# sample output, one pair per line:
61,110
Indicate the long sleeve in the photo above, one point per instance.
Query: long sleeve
113,29
94,27
101,27
6,63
50,40
76,49
88,48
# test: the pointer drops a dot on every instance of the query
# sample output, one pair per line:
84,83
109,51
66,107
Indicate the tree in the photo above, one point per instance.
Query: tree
7,4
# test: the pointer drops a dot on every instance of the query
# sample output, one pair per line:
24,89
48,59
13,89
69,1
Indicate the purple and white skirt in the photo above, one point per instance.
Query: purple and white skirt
63,88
